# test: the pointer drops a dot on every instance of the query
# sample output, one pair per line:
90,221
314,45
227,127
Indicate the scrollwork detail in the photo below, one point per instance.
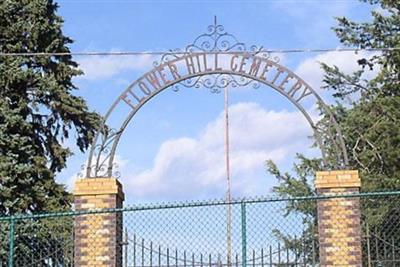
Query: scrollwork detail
216,82
102,153
215,40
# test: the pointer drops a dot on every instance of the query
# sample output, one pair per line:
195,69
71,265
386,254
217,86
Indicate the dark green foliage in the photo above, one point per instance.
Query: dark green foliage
368,112
297,186
38,110
53,242
372,124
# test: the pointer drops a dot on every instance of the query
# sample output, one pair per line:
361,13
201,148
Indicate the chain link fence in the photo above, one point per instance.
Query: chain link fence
261,232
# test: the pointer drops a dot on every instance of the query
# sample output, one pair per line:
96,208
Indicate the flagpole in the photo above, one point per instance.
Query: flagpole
228,180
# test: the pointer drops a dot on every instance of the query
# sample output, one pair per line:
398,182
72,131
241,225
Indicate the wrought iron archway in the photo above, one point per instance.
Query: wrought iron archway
214,60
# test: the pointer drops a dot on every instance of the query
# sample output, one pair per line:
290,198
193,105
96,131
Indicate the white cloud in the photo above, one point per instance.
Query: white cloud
310,69
103,67
194,167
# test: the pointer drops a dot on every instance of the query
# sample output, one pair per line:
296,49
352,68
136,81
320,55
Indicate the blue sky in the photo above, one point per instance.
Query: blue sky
173,148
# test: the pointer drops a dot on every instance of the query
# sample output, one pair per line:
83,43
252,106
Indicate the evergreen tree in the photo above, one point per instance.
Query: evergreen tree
368,112
38,110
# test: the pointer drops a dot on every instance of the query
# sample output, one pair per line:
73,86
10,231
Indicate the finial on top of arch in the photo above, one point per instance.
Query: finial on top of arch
216,40
201,64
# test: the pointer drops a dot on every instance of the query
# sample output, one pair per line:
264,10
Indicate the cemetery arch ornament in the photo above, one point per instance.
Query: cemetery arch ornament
215,60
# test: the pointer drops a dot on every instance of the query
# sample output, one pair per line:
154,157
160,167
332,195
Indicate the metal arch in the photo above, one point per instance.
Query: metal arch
114,137
212,43
299,107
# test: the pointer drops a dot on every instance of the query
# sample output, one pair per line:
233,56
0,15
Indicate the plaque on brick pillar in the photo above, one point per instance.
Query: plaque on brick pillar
98,236
339,225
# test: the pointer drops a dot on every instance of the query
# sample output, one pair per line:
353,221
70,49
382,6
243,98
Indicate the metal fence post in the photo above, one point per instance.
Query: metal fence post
244,238
11,243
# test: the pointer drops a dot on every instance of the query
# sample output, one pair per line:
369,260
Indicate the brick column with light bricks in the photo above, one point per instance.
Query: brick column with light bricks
339,224
98,237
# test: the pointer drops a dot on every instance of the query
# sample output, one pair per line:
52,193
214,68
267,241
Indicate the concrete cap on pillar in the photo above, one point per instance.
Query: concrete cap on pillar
98,186
337,179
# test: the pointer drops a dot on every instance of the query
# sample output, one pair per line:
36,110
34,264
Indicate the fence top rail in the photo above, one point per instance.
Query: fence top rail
188,204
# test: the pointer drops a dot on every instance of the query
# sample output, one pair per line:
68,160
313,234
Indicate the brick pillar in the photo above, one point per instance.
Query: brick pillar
339,224
98,237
